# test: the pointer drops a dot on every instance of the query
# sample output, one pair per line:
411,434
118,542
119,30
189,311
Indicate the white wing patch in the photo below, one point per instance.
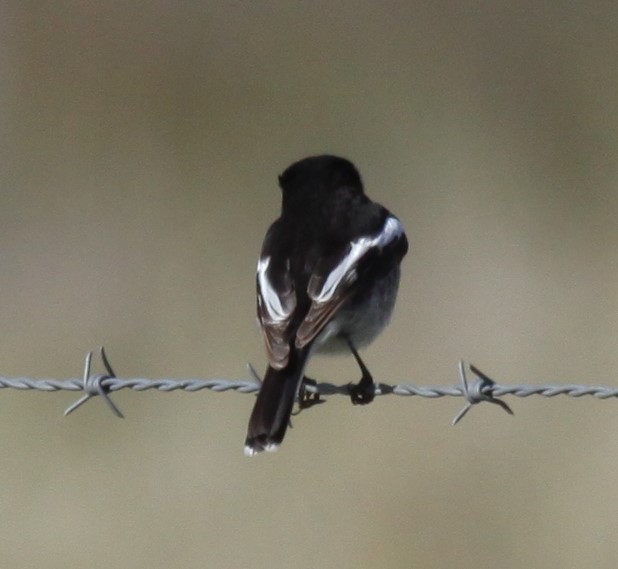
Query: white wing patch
345,271
272,305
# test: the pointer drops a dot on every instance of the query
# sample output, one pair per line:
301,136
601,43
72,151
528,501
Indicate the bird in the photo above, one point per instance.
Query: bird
327,280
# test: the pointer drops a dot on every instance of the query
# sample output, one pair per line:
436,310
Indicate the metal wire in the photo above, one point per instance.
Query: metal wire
481,389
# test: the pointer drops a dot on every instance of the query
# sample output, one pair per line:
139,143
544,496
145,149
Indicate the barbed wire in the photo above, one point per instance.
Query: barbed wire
481,389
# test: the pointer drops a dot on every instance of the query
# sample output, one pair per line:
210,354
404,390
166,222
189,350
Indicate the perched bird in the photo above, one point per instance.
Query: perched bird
327,280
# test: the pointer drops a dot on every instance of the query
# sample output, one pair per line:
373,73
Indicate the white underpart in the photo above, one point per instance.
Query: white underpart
345,269
274,308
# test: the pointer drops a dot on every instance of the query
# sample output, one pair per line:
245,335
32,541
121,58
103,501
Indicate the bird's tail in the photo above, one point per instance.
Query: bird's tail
273,407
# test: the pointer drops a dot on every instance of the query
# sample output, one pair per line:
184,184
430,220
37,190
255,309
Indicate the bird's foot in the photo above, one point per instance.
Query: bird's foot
307,399
363,392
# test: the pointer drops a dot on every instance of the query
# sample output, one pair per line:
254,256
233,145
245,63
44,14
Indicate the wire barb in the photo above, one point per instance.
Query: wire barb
255,375
477,392
93,385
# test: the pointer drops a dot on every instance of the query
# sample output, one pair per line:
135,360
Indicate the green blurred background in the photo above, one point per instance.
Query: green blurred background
140,144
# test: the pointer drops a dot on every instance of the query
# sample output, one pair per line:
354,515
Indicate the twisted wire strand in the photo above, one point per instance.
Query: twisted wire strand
323,388
481,389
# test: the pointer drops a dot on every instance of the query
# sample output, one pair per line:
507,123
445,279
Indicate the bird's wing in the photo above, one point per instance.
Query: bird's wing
333,279
276,301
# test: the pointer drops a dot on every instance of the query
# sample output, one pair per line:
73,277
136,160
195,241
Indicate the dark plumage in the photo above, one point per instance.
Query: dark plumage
327,279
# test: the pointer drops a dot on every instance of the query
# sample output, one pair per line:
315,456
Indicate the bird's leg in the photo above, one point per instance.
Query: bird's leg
307,399
362,392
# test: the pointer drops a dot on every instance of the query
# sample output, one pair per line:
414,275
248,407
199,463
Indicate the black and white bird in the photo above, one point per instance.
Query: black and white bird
327,280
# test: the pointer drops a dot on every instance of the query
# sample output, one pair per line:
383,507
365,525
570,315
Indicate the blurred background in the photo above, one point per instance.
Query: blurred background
140,148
